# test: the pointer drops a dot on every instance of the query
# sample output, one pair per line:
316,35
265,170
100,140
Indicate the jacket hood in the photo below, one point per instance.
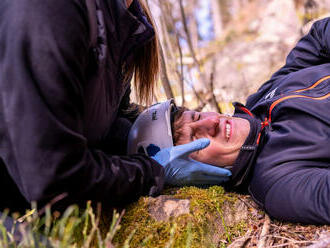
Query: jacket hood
242,167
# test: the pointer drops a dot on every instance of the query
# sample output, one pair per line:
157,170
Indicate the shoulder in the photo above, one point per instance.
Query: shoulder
320,28
44,12
42,6
44,20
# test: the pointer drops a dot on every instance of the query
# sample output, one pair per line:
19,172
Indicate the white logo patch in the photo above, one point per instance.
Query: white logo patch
271,94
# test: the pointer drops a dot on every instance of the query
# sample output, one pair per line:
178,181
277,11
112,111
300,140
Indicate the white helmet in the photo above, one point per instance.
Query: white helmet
151,131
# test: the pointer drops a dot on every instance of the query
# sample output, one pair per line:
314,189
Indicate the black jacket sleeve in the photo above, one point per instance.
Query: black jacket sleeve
43,53
301,196
128,109
116,140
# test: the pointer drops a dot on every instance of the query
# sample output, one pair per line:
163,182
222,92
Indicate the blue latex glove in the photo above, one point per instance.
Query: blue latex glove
181,170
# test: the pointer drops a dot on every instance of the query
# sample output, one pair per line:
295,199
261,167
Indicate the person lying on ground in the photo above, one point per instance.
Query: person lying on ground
277,145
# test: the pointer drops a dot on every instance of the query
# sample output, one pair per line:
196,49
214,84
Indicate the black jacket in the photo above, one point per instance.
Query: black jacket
62,102
291,171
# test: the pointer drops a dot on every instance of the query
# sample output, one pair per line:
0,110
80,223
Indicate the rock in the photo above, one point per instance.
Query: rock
234,213
200,217
163,207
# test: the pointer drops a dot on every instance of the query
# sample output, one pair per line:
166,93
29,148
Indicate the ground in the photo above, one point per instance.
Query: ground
180,217
194,217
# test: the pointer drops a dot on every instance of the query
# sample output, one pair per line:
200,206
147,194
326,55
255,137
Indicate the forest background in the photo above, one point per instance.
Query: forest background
218,51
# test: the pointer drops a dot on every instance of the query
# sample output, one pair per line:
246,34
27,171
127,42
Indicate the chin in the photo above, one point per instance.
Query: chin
221,166
221,163
214,163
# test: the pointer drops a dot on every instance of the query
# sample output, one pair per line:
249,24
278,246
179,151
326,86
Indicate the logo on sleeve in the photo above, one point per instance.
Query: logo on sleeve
154,115
271,94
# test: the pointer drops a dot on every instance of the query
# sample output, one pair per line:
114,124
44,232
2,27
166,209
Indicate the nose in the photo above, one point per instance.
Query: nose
207,126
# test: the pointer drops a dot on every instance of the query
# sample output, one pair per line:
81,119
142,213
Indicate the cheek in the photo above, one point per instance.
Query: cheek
215,156
207,155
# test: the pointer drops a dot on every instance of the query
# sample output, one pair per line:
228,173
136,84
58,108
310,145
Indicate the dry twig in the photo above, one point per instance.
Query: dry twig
264,232
291,243
52,202
242,241
249,205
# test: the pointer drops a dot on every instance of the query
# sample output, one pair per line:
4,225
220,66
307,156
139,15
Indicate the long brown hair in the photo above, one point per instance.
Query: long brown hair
146,65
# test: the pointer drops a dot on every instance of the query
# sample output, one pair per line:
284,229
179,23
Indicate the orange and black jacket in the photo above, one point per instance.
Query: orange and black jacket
63,126
290,174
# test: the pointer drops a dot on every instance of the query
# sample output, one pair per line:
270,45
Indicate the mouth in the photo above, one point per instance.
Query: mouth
228,129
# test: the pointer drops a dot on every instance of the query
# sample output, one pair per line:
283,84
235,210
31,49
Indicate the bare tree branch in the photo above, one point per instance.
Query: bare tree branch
163,74
188,37
214,99
180,74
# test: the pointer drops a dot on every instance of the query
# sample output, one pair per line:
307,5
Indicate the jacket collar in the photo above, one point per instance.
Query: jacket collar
242,168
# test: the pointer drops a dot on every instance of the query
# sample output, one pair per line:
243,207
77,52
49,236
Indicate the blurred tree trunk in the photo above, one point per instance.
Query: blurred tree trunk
192,22
225,9
217,19
311,9
201,72
213,99
188,35
236,6
166,25
163,69
163,75
180,73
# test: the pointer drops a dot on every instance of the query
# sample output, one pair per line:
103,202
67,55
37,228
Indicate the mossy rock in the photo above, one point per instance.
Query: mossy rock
185,217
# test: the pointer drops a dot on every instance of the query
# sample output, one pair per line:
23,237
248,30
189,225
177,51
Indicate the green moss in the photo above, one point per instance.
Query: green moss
238,230
203,227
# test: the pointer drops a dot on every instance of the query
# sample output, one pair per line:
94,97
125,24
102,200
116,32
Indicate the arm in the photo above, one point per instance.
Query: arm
116,140
302,196
42,113
129,110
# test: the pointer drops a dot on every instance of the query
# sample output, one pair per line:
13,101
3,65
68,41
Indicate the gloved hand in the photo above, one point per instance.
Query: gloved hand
180,170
